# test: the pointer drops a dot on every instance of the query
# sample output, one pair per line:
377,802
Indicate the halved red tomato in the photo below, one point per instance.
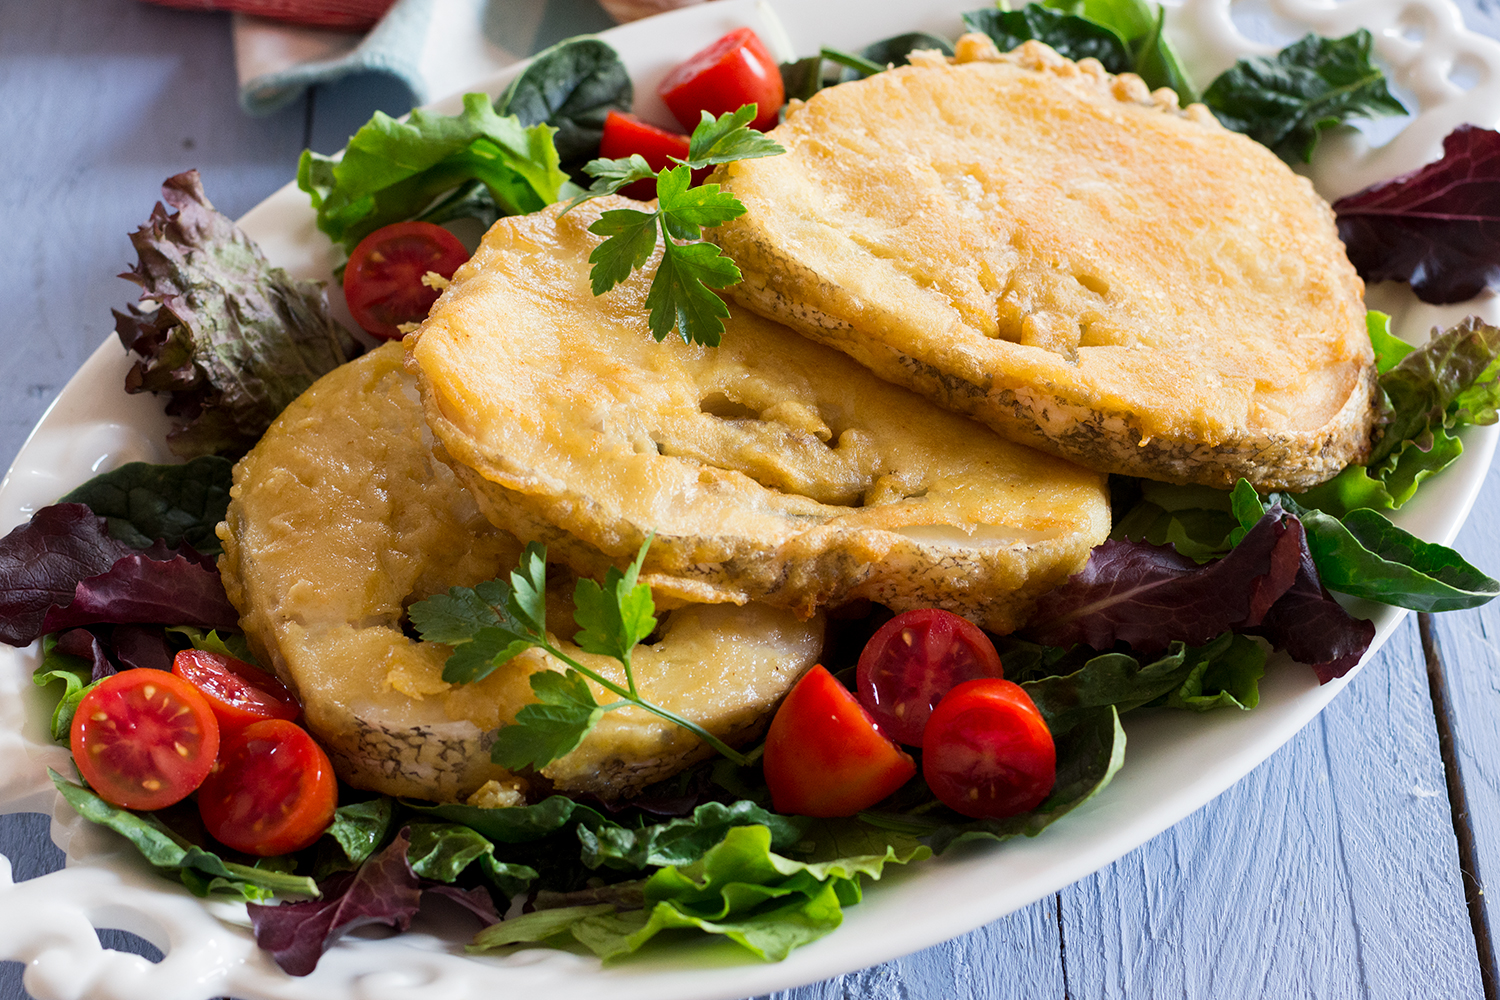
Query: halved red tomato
144,739
626,134
915,659
383,279
987,752
824,756
272,790
238,693
734,71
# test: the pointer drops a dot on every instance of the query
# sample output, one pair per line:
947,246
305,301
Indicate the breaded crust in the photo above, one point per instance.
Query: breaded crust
1069,259
342,516
769,468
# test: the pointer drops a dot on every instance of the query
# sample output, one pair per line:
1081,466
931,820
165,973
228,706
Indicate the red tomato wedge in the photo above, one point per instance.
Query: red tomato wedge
144,739
824,756
915,659
987,752
383,279
272,790
238,693
733,71
625,135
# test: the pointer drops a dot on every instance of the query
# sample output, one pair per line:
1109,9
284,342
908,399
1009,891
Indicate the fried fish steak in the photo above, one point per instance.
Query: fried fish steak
769,468
342,516
1069,259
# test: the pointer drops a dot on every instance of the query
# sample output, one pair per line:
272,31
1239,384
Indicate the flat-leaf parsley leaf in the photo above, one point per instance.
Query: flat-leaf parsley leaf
496,621
681,295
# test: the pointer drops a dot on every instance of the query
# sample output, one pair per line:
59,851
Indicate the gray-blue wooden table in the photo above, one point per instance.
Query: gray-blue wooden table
1352,863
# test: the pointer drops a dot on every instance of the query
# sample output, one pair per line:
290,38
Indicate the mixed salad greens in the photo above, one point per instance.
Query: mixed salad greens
119,574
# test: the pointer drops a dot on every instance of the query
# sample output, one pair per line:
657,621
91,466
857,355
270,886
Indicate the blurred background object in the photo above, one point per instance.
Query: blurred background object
343,15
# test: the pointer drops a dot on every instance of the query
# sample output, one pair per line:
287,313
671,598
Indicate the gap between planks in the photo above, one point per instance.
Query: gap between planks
1468,860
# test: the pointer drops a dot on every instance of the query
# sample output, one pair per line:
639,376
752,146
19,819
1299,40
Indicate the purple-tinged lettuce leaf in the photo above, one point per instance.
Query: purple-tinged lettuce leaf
1420,388
383,891
1148,595
142,646
83,644
1438,227
477,900
140,590
230,337
1313,628
42,561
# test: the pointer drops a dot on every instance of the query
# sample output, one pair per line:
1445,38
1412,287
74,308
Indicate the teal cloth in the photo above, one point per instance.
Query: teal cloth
393,46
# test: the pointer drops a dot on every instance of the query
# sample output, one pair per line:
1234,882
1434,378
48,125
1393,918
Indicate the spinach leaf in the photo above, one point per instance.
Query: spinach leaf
1315,83
1072,36
1088,757
201,871
1365,555
175,504
1152,56
572,87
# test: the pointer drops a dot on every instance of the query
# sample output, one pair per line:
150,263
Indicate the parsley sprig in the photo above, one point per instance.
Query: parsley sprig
680,296
492,623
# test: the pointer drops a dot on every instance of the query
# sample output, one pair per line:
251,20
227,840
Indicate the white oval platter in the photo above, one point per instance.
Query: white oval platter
1176,761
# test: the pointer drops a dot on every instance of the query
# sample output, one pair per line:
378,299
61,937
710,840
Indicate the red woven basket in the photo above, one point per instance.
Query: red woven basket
346,15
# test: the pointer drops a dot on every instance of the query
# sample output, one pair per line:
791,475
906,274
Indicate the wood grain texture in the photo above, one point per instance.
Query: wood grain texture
1469,646
1330,872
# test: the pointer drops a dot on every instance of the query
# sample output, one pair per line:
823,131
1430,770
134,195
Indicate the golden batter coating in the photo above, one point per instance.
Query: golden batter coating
1069,259
768,468
342,517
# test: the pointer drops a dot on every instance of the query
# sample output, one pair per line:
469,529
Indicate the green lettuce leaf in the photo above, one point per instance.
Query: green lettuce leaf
232,339
395,170
739,888
1460,365
680,841
1286,101
77,676
201,871
176,504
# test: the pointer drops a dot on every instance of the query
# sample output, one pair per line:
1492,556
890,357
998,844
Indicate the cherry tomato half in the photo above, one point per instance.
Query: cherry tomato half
915,659
734,71
824,756
626,134
144,739
987,753
238,693
383,279
272,790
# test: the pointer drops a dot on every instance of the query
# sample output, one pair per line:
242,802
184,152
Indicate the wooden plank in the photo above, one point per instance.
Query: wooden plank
1015,957
1330,871
1468,644
104,99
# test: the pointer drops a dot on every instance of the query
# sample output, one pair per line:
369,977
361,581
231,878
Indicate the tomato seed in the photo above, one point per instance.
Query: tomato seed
151,785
